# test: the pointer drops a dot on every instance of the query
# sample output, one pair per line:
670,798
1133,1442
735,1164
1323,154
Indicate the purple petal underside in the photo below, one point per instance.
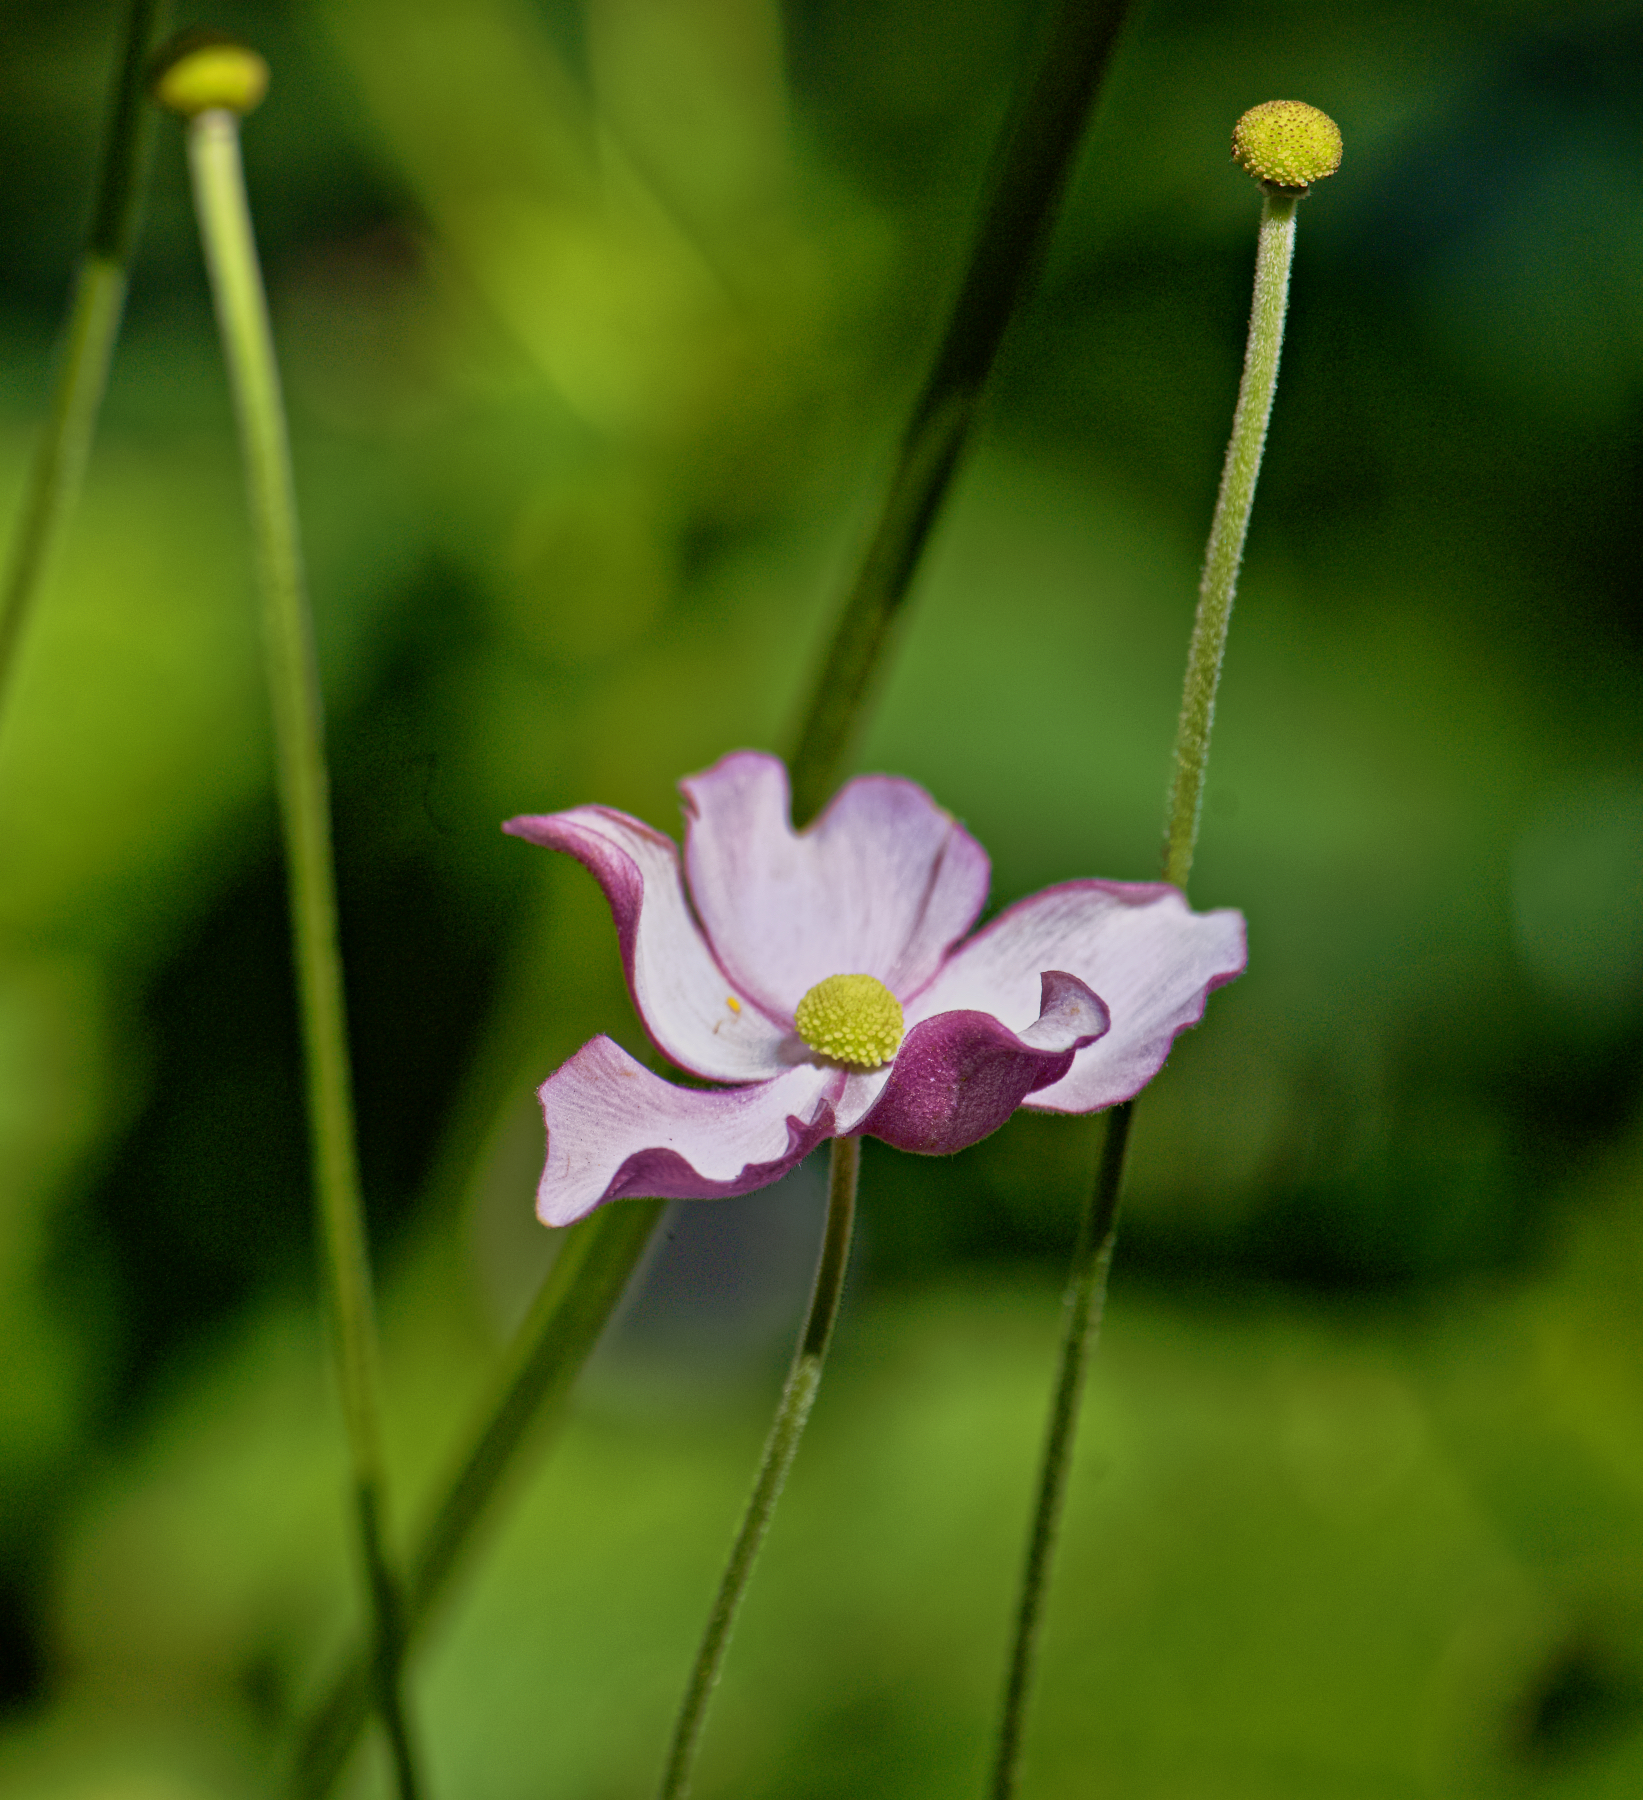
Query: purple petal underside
1152,959
884,883
959,1076
618,1132
693,1012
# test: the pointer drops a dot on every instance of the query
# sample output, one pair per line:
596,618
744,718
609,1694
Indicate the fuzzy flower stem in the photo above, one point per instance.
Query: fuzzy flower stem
1087,1285
92,326
792,1412
293,680
1274,251
1085,1299
1031,175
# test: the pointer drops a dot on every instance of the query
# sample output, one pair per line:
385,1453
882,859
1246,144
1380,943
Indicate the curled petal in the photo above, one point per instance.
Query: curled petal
884,883
959,1075
693,1012
1151,958
618,1132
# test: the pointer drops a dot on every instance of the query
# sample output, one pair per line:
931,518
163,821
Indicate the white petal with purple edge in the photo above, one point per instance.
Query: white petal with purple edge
882,884
618,1132
680,991
1137,944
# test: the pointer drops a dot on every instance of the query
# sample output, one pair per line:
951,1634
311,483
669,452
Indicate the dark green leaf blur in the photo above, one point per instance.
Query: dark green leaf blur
599,319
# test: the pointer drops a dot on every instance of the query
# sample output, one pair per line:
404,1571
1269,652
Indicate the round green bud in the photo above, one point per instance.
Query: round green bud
1287,144
852,1018
205,71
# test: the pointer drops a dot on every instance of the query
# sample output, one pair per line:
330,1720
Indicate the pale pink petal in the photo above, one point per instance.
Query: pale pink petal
884,883
959,1075
618,1132
693,1012
1137,944
862,1088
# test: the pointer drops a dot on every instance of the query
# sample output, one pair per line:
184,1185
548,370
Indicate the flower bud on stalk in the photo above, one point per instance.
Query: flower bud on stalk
208,71
212,81
1286,145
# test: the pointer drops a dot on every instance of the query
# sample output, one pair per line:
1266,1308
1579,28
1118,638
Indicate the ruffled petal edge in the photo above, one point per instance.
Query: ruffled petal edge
616,1131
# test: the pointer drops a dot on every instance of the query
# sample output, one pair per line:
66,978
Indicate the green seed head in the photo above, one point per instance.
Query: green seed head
204,71
1287,144
852,1018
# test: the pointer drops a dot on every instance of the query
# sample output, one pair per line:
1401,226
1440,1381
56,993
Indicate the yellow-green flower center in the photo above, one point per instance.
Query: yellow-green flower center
852,1018
1287,143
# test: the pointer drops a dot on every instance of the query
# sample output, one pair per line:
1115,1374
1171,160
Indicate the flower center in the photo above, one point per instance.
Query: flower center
853,1018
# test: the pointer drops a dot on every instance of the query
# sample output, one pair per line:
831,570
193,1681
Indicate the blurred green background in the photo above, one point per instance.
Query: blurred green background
599,319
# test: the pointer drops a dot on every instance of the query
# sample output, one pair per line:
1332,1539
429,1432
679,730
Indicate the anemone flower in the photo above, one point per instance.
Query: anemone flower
824,979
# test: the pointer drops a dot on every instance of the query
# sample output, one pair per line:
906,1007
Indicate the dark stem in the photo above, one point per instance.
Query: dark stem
89,333
1086,1295
125,147
792,1412
388,1644
1047,127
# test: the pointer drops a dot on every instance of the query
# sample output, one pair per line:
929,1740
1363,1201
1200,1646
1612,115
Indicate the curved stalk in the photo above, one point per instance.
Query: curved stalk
1087,1285
1275,250
294,693
792,1413
1086,1299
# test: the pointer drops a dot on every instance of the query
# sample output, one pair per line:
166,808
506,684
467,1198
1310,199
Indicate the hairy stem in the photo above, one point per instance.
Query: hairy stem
1274,252
1086,1296
293,685
792,1412
1087,1286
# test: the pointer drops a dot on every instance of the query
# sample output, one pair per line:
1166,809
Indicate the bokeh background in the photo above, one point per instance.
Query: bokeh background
599,318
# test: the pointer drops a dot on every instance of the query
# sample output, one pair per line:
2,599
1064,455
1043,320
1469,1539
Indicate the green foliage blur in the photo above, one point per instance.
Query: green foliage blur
598,322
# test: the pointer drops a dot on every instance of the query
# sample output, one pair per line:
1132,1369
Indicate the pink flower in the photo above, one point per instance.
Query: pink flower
1067,1002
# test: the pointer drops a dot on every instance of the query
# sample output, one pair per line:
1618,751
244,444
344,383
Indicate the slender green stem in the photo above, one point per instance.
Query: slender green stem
1226,536
1032,171
1086,1296
92,326
792,1412
572,1308
293,680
